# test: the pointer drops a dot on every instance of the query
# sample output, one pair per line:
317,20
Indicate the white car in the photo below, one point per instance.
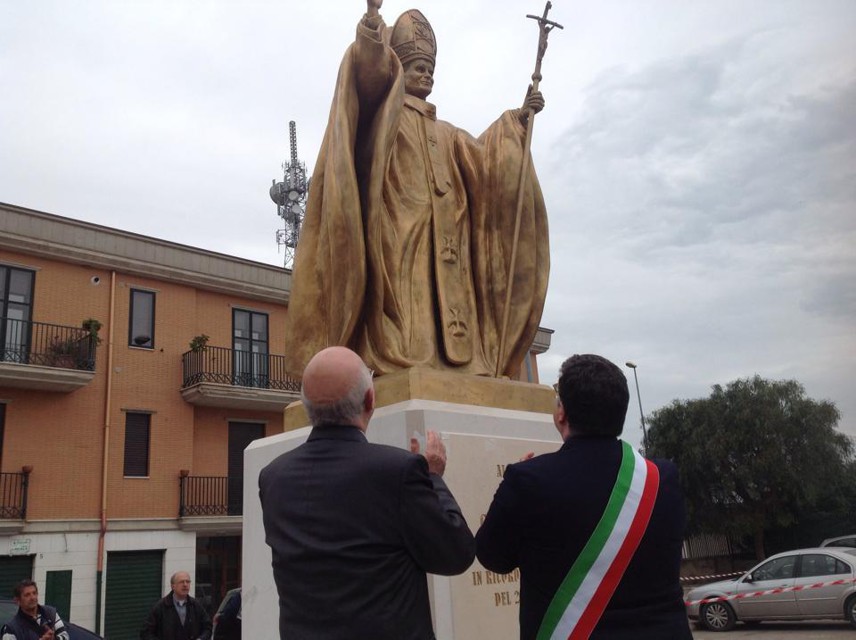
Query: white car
794,570
840,541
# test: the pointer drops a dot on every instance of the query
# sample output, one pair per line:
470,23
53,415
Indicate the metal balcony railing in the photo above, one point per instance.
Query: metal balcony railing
238,368
13,495
49,345
210,496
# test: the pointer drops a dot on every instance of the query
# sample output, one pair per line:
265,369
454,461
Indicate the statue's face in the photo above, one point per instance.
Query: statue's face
419,77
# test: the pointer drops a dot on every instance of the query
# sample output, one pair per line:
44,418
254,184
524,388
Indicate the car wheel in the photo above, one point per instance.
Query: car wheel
850,610
717,616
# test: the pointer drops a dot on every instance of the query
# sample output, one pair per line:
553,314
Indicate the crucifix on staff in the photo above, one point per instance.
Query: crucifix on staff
544,28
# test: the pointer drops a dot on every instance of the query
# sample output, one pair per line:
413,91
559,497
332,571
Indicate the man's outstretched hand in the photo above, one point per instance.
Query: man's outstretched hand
435,452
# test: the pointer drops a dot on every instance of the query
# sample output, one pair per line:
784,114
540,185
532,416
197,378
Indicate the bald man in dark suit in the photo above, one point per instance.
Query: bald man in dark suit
354,527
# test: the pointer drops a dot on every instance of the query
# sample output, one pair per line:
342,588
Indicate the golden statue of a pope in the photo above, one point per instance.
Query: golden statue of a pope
407,239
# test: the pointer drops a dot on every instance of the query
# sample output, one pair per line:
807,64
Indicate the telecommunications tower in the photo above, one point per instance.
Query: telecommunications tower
290,199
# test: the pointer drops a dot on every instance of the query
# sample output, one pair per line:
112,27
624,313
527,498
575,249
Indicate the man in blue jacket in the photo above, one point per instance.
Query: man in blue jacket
33,621
549,508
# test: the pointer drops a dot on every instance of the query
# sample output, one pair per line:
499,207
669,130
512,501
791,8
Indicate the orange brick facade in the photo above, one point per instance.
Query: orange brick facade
58,430
146,380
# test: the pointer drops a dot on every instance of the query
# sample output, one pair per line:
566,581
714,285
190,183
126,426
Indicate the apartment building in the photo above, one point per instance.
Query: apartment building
121,448
133,373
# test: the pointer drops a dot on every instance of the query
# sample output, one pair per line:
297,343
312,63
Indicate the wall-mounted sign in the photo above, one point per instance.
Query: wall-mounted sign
19,547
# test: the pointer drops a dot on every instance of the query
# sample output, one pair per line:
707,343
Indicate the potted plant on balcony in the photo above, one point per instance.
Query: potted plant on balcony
198,344
93,326
193,361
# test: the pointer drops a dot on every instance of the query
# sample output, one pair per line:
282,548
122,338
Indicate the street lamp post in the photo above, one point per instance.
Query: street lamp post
632,365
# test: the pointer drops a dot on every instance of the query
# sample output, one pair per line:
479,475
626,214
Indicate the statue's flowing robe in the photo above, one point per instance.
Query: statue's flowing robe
407,239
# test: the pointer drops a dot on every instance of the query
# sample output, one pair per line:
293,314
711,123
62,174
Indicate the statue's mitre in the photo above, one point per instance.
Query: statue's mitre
413,37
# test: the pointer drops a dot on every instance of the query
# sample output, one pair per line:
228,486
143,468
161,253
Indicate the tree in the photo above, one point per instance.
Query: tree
754,455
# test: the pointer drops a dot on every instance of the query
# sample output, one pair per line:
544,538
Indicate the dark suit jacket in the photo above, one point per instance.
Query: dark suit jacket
354,527
164,623
544,512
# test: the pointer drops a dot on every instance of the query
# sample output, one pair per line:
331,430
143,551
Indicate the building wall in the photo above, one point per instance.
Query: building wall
62,435
60,438
149,380
211,427
144,380
59,434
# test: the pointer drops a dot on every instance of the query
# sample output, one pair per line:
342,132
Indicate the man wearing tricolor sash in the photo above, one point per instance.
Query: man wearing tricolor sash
595,528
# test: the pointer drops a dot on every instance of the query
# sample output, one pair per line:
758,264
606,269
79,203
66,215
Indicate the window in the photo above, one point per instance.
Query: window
16,305
778,569
848,541
817,564
141,328
137,428
250,345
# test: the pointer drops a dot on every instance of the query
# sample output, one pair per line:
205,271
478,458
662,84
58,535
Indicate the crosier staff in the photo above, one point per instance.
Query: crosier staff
545,27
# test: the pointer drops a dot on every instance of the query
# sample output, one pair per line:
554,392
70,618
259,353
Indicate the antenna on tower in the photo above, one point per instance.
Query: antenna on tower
290,199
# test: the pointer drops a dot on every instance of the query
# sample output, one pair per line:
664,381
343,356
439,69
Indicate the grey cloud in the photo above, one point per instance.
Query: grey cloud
833,295
678,138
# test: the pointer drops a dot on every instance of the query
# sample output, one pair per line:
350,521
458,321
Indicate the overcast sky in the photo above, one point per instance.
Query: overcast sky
698,159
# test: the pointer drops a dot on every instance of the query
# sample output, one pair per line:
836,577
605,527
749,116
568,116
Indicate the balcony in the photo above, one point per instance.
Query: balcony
212,505
13,501
45,357
220,377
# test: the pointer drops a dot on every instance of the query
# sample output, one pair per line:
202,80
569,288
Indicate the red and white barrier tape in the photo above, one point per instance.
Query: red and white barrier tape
713,577
755,594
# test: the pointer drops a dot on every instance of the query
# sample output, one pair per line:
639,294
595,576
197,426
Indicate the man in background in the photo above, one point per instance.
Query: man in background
33,620
178,616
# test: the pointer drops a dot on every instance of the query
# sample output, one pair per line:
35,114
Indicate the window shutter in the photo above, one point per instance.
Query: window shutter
137,427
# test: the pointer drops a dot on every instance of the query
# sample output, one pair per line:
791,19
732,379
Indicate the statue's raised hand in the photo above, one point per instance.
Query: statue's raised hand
372,7
532,103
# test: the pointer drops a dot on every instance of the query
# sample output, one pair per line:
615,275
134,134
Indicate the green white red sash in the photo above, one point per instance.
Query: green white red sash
589,585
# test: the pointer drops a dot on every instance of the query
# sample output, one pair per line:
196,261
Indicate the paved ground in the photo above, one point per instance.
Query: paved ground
823,630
